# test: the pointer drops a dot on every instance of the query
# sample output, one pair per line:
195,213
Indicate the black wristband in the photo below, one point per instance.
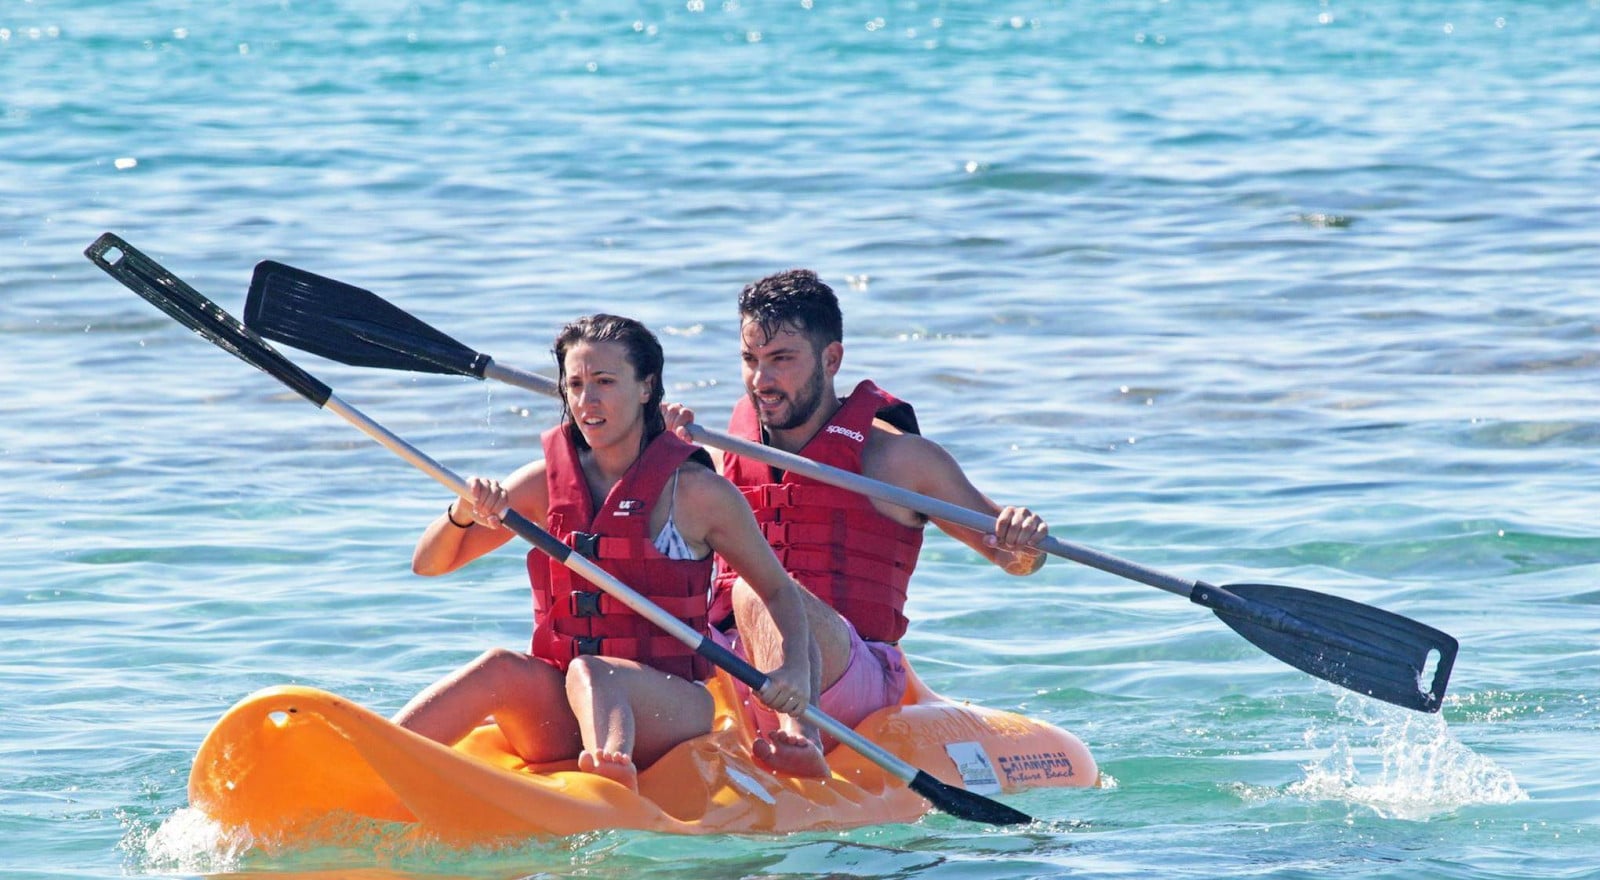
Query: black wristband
449,507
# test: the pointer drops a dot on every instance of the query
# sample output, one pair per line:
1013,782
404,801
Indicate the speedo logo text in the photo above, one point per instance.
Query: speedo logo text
853,435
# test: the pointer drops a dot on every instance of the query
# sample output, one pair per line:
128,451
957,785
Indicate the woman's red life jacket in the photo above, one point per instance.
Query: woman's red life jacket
571,615
831,540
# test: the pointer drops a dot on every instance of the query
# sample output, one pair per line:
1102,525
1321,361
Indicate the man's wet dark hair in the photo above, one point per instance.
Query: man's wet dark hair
797,300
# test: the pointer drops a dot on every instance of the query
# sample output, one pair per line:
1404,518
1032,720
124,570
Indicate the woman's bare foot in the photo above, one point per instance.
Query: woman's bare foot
790,754
615,766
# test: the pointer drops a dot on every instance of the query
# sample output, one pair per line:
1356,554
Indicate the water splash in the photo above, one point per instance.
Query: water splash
187,842
1423,770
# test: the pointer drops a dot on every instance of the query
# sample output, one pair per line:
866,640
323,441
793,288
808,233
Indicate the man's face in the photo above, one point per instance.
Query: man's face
783,375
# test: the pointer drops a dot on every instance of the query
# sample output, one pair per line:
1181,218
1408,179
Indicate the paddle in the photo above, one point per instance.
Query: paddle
189,308
1366,649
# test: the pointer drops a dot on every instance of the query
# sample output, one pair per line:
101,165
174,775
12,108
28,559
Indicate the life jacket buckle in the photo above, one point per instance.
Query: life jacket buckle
586,544
585,604
586,645
777,495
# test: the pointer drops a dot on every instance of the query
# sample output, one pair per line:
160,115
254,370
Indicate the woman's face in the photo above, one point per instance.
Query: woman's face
604,393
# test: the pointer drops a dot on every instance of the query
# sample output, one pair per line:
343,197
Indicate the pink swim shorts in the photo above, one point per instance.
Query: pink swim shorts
874,678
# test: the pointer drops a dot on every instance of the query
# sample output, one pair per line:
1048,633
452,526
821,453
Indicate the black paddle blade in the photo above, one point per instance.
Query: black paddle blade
1366,649
964,804
185,305
344,323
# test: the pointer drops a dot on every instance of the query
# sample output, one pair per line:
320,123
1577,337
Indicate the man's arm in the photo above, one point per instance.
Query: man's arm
916,463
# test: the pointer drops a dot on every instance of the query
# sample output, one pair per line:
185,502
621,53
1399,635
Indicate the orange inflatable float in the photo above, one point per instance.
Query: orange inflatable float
284,761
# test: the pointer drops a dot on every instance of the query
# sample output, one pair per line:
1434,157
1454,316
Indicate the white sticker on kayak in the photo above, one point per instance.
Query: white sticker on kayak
977,773
749,784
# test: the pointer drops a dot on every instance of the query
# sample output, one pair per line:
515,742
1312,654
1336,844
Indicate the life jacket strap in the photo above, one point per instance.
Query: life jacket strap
582,603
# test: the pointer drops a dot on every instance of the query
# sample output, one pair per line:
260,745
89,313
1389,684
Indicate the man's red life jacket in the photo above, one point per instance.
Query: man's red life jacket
831,540
572,616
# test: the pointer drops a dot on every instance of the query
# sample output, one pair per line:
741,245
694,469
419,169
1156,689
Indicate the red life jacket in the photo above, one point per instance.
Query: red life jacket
831,540
571,615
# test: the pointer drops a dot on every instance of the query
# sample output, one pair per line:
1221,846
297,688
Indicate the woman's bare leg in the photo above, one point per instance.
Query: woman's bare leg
629,715
525,695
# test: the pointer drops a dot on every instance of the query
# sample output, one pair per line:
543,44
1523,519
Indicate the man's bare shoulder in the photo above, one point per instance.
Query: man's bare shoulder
903,458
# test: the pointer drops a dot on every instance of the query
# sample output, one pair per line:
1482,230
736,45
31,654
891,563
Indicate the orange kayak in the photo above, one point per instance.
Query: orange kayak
286,760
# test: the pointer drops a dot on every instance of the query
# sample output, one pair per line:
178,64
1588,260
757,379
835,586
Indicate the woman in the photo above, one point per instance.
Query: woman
600,682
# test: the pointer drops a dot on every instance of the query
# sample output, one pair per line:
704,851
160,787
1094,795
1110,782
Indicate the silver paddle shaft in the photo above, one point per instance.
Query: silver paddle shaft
977,521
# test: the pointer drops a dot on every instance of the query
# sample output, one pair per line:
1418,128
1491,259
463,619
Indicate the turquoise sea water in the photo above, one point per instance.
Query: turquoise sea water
1300,293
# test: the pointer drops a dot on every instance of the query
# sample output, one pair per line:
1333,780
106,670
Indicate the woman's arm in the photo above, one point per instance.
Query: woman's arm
468,530
724,519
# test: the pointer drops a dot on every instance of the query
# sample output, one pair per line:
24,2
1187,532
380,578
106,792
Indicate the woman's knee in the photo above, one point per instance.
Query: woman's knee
499,665
497,659
585,672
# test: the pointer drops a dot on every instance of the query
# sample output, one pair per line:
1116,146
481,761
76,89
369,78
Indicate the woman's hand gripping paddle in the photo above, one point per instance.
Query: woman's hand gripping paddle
1366,649
181,302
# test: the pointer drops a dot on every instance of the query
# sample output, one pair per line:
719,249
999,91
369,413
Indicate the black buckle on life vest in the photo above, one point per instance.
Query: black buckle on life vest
585,645
585,604
586,544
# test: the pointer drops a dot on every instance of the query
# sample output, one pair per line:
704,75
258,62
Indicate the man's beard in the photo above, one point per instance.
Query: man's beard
802,407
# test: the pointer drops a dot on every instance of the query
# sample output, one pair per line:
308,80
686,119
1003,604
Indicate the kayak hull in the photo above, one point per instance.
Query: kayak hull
285,760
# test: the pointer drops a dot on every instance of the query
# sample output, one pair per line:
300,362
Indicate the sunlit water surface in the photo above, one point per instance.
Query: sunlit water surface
1288,293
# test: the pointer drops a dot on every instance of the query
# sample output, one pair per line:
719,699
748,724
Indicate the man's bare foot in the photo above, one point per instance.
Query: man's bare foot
790,754
615,766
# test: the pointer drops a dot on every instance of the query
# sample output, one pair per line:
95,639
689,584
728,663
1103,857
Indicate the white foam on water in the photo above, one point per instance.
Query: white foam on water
186,842
339,845
1400,764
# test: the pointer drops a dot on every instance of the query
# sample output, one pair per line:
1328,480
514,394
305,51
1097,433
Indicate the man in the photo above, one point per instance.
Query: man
854,555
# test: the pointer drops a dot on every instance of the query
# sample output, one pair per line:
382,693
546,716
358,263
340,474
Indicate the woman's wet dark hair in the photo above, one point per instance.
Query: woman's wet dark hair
643,352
